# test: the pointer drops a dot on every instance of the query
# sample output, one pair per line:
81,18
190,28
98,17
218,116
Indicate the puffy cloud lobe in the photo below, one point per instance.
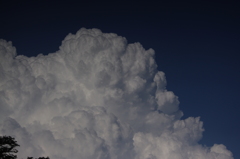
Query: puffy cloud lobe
179,142
97,97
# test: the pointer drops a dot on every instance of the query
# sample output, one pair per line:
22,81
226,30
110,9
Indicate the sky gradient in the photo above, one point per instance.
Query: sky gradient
196,46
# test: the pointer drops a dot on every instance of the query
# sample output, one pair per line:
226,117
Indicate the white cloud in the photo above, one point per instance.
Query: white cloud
97,97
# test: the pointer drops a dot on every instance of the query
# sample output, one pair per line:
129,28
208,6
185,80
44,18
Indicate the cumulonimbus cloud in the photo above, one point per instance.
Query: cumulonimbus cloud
97,97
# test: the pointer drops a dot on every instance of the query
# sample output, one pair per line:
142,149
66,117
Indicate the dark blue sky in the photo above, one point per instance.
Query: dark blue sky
196,45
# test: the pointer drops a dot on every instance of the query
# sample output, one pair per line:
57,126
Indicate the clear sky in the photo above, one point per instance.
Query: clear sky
196,45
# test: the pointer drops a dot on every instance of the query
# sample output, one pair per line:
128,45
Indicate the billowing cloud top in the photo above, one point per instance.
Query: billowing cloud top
96,98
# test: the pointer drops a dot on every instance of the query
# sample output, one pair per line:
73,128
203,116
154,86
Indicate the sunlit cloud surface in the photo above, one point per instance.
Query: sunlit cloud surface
97,97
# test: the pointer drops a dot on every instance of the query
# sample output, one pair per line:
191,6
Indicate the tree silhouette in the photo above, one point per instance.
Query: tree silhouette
7,147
